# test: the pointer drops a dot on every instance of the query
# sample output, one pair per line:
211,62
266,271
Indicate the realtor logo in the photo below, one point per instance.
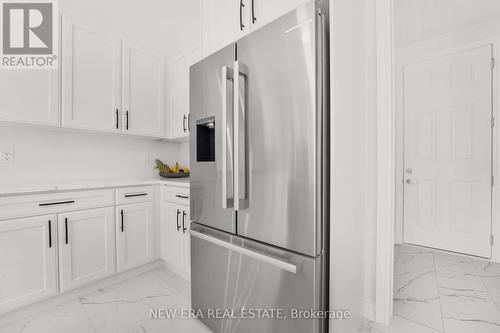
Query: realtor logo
29,34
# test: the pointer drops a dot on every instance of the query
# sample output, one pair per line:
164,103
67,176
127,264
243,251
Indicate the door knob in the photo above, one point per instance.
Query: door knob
411,181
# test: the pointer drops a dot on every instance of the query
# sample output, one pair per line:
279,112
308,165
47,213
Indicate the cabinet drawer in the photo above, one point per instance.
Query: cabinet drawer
178,195
50,203
136,194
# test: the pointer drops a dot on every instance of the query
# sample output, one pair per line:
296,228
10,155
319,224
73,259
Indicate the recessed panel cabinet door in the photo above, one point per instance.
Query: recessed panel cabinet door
143,91
265,11
172,246
86,246
30,96
90,78
28,267
134,235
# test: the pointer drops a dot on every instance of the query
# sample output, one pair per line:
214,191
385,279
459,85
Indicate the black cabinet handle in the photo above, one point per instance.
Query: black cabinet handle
121,213
254,19
117,118
50,233
189,122
135,195
184,123
126,120
56,203
181,196
183,222
242,26
178,225
66,229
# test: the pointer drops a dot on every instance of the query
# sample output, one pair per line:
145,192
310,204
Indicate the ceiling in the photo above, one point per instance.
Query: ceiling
416,20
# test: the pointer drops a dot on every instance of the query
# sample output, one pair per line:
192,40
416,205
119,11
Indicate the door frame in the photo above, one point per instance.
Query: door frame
386,161
387,157
400,172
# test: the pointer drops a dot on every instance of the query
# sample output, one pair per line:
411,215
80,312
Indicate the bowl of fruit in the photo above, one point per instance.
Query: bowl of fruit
175,172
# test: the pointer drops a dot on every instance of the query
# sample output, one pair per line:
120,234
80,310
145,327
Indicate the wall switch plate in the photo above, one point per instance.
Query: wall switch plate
6,156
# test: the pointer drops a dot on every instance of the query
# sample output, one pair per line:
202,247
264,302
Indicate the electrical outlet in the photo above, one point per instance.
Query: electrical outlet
6,156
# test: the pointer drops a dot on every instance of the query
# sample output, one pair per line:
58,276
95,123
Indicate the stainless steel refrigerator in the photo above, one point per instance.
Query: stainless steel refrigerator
260,177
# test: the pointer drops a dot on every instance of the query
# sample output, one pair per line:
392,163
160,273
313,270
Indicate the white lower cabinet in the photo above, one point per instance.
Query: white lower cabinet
134,235
86,247
175,238
28,260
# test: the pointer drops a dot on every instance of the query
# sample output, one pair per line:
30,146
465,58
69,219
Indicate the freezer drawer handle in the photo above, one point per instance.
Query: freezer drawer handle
292,268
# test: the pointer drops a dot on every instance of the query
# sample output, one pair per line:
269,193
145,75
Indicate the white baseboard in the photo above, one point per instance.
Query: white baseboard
32,309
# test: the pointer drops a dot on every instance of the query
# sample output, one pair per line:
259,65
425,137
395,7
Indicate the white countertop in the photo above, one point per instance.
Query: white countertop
25,188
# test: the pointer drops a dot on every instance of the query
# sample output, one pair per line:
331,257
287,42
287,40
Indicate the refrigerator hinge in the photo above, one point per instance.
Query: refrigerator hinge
492,239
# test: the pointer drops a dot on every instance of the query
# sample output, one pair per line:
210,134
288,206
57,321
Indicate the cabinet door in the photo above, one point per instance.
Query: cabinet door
171,240
186,241
143,91
265,11
223,23
134,235
179,119
27,260
90,78
30,96
86,246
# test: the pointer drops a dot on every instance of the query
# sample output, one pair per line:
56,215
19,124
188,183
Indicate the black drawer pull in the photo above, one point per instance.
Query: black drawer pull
117,119
50,233
56,203
135,195
181,196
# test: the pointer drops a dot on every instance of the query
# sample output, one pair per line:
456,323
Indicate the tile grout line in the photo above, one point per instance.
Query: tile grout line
486,287
88,316
438,290
418,323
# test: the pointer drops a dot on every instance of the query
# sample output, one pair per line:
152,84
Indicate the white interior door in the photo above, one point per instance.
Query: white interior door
90,78
447,152
80,263
143,91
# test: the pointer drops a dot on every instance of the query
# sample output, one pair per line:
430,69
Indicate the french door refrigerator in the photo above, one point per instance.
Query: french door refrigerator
259,178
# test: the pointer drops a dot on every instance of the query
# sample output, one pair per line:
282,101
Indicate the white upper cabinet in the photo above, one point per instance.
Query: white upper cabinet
29,96
90,78
143,91
265,11
28,260
178,120
225,21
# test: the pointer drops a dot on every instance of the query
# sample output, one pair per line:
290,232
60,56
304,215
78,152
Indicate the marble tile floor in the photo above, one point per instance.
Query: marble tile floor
444,292
120,308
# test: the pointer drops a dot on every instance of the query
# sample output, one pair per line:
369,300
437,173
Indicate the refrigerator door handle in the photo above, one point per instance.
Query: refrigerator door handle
239,119
226,138
279,263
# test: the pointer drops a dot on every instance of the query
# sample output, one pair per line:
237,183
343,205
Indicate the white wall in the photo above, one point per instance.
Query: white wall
57,155
353,211
473,36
